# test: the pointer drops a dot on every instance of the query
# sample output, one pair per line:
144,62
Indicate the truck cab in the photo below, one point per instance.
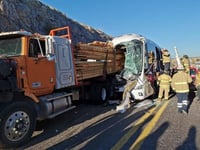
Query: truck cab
33,69
38,61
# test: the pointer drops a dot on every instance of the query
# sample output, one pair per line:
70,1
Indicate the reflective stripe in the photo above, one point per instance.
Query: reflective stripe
179,105
179,83
165,81
164,86
185,102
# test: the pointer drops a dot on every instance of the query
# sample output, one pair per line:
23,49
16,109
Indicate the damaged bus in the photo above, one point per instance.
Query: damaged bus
141,67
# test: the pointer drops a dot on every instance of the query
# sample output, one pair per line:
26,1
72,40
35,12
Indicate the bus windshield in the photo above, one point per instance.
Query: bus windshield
133,58
10,47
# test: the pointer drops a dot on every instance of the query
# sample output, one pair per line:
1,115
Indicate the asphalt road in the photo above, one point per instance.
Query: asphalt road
144,126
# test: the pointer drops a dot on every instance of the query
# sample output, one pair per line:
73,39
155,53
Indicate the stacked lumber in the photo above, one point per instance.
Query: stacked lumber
96,59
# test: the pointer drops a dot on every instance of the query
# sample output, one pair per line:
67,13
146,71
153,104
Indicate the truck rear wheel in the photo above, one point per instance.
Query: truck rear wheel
99,93
18,122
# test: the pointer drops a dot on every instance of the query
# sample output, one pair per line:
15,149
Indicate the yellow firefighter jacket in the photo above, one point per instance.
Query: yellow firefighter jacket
165,56
186,64
164,81
180,82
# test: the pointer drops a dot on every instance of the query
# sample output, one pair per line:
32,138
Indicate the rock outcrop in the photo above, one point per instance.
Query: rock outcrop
36,17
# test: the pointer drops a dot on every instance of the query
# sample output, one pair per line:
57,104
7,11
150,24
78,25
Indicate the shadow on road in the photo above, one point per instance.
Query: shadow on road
113,127
52,127
152,140
189,142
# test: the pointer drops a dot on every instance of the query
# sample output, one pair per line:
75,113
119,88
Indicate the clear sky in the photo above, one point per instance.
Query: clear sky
169,23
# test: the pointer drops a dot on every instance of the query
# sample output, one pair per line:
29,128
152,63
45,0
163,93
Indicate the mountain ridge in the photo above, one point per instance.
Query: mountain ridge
37,17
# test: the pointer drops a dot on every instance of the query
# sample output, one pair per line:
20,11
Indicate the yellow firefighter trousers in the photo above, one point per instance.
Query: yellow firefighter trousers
166,93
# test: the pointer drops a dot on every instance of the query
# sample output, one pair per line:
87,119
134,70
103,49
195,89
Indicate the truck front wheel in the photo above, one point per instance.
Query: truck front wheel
17,124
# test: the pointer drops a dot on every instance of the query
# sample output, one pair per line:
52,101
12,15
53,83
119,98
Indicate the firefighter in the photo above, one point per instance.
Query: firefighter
166,59
164,81
186,63
197,84
180,84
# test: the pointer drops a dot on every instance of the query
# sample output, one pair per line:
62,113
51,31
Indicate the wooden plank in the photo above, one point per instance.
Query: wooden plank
107,60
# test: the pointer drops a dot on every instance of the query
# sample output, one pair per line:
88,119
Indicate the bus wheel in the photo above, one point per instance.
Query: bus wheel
18,122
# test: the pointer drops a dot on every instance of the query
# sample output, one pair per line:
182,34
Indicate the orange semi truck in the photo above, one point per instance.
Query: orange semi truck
40,78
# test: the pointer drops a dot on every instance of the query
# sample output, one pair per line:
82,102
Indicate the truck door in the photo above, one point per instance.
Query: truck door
65,72
39,70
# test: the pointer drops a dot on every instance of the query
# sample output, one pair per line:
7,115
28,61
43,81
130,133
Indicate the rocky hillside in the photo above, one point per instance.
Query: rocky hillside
34,16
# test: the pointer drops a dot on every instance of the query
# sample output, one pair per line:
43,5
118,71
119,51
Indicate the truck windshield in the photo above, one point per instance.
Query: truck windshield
10,47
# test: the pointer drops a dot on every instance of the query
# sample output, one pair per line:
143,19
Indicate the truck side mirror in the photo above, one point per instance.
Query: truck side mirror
50,57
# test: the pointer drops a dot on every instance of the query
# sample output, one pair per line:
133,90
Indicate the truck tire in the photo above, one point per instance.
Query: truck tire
18,121
99,93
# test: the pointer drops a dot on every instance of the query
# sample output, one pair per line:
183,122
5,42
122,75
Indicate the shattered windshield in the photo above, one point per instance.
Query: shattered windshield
133,56
10,47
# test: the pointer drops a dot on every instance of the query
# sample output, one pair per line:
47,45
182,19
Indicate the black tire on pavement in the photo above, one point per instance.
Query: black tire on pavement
18,121
99,93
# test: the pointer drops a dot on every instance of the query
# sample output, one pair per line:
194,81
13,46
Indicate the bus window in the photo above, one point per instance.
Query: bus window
159,63
156,52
